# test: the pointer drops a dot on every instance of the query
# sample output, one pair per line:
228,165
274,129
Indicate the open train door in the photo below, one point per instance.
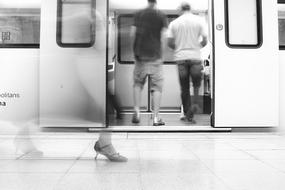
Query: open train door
73,57
246,63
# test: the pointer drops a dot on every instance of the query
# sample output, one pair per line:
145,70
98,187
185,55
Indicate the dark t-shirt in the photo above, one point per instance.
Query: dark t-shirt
149,24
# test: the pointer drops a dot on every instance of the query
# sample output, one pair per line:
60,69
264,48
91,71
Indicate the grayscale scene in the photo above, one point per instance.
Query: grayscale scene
142,95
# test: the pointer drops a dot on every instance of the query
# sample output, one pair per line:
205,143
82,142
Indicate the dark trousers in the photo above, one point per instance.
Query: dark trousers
187,69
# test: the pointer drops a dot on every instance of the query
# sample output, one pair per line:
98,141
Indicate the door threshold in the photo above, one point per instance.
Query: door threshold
194,129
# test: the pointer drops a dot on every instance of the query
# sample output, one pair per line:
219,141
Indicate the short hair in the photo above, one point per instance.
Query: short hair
151,1
185,6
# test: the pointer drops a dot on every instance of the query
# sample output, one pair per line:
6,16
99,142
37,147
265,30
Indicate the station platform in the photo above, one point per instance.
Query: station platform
168,161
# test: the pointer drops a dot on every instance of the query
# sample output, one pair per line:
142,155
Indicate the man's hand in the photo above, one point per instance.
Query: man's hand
170,43
204,41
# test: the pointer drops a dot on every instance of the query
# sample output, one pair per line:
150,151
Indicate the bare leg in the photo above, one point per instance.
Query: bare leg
137,102
105,147
105,139
156,95
137,99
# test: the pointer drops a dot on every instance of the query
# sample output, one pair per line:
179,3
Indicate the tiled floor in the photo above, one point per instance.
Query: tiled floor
194,161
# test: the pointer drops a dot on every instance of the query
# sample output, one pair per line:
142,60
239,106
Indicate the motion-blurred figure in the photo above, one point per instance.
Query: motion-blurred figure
23,141
114,104
187,36
146,31
88,80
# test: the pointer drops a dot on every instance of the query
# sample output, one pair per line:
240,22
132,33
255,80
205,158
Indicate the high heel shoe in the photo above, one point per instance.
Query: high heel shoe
109,152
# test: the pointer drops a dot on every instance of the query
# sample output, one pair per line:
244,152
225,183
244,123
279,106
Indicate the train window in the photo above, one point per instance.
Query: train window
19,28
281,21
125,50
76,23
243,28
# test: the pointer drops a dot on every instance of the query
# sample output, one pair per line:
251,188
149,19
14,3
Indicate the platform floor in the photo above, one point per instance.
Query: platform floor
194,161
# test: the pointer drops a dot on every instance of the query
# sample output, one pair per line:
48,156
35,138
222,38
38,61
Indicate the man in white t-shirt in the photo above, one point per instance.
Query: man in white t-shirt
187,35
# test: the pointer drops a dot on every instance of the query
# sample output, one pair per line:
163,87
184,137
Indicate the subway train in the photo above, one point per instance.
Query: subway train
60,58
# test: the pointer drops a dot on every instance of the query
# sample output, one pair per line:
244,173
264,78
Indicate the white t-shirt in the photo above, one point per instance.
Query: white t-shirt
187,31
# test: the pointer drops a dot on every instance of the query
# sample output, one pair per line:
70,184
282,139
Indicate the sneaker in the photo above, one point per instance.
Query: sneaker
195,108
183,117
190,116
135,118
158,123
191,120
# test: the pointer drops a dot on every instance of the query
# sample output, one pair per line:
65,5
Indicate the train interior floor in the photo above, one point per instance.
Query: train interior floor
170,119
168,161
172,123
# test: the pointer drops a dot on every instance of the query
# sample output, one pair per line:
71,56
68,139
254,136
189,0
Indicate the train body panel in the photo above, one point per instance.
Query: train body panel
246,64
19,77
73,77
64,81
282,91
19,84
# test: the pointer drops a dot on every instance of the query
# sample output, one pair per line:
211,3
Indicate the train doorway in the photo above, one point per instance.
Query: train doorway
121,67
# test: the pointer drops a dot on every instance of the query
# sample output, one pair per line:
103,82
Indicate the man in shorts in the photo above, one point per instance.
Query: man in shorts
187,36
147,29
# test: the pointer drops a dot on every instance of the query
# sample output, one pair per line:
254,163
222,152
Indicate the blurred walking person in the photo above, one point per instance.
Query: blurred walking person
103,145
149,24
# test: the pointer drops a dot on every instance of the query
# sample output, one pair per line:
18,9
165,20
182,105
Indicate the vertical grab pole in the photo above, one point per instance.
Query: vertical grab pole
149,101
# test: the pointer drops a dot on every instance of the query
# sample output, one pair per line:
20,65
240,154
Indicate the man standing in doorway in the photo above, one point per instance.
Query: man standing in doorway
147,31
187,35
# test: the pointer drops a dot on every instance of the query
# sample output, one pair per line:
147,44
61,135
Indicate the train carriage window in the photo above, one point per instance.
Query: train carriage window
243,28
76,23
281,21
125,50
19,28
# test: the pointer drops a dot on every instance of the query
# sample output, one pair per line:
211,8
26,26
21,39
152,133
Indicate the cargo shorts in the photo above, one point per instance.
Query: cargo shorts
153,69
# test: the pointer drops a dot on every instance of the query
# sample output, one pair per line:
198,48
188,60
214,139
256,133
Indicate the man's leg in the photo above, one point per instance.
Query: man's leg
196,75
156,95
137,99
156,82
196,94
139,80
183,72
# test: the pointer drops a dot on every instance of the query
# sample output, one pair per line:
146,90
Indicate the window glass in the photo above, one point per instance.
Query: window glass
243,28
19,28
281,21
76,23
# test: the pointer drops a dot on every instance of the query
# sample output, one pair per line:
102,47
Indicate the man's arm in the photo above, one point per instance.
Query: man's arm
170,37
204,40
203,34
170,43
133,33
134,28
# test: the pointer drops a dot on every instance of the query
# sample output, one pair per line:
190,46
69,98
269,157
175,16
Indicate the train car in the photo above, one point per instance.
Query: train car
20,58
281,24
59,58
73,57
